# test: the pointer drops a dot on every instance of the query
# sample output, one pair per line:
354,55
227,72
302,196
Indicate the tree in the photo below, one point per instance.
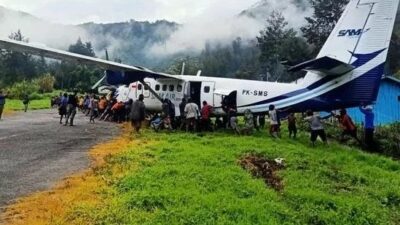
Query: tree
192,65
82,48
17,66
321,23
76,77
46,83
278,43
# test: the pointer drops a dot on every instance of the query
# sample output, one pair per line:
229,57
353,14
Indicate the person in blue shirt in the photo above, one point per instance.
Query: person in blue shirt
62,108
2,102
369,126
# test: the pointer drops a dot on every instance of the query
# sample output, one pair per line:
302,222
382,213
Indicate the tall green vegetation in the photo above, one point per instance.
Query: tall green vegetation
19,70
237,60
321,23
15,66
279,43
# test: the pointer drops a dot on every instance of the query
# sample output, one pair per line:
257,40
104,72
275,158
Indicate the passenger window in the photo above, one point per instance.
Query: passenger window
146,88
164,87
207,89
179,88
158,87
139,87
171,88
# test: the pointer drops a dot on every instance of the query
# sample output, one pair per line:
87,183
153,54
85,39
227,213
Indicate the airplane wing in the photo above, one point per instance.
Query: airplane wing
324,66
123,74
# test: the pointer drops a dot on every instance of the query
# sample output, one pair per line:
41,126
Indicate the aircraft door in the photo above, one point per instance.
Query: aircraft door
196,92
207,92
141,89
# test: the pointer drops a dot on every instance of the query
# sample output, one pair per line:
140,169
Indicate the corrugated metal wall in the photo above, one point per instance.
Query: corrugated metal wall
387,108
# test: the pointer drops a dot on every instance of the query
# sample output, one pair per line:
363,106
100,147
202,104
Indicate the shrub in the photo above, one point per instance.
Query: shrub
18,90
388,139
45,83
35,96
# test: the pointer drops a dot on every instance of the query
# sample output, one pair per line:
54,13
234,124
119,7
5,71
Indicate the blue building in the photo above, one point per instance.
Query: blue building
387,108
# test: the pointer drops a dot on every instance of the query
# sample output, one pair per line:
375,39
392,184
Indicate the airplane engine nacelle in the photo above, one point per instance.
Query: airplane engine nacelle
124,78
115,77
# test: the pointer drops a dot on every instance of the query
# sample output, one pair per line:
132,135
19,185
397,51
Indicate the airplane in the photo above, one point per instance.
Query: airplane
346,72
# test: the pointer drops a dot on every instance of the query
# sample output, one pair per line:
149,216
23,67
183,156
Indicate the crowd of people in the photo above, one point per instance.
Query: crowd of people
105,108
193,118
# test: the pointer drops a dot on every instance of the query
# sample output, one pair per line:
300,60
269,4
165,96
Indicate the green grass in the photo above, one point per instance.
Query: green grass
190,179
17,105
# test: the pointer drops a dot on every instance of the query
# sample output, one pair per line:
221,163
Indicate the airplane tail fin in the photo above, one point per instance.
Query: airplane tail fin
361,39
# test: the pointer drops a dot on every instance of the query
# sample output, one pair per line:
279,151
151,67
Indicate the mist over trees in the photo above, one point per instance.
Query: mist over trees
18,67
257,58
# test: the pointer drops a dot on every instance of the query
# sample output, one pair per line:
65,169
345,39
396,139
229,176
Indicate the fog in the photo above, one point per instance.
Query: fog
212,26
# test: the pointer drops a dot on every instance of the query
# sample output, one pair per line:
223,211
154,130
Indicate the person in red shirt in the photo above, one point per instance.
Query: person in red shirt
347,125
206,112
117,109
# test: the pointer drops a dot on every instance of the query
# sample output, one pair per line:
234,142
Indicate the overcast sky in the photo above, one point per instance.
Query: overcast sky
79,11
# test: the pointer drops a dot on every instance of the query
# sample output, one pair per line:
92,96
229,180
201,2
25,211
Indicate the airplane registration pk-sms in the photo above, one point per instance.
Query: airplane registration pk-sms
346,72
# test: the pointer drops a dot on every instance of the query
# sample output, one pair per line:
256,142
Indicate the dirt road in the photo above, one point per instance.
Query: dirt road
36,151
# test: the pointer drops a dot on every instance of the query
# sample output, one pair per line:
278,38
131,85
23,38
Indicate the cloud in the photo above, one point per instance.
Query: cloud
206,21
54,35
221,28
78,11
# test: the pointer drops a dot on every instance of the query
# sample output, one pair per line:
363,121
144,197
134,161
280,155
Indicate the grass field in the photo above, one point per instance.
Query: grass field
196,179
17,105
184,179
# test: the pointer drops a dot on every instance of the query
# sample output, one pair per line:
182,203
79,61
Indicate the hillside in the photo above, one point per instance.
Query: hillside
128,41
291,9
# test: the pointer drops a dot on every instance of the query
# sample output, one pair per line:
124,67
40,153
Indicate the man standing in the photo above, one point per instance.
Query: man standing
192,114
138,113
274,130
71,109
25,101
369,126
206,111
2,102
182,106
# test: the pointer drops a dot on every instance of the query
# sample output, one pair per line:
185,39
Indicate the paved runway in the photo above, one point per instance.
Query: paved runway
36,151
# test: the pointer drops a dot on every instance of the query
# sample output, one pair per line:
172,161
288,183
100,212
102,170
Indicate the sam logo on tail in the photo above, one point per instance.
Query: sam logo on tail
351,32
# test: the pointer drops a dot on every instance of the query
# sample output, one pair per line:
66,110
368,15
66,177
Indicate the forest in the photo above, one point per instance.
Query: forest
265,57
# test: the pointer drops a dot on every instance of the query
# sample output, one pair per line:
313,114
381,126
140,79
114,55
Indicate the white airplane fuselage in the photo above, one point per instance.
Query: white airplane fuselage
209,89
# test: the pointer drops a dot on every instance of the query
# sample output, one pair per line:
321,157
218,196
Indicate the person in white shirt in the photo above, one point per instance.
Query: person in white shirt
192,113
274,129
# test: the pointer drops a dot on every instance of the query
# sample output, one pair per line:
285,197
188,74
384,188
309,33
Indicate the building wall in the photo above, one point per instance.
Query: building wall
387,108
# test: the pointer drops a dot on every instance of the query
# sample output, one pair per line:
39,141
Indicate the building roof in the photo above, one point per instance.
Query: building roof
391,79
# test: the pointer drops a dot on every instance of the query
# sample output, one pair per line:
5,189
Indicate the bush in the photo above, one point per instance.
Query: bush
45,83
388,139
35,96
18,90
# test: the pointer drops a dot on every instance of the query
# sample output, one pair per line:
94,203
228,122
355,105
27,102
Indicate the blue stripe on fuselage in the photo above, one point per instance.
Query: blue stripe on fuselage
362,59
